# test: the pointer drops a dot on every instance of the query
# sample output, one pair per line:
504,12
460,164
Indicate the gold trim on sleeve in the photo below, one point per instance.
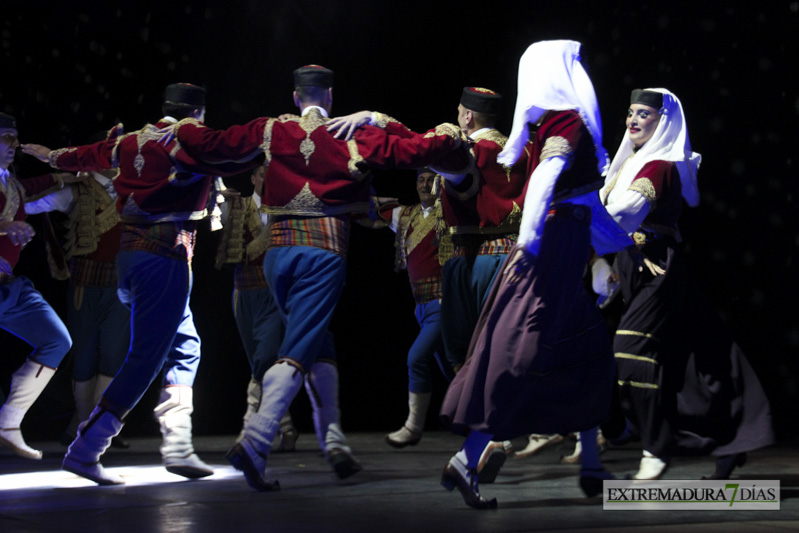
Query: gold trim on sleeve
355,159
645,187
635,358
638,384
55,154
556,146
636,334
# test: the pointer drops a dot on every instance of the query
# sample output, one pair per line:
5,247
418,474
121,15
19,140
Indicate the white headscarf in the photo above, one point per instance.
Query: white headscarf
551,77
668,143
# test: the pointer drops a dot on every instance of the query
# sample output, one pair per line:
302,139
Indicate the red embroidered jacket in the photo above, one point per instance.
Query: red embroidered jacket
12,205
309,173
157,182
563,133
659,182
490,200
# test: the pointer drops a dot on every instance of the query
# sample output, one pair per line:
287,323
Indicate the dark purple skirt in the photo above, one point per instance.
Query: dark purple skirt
540,360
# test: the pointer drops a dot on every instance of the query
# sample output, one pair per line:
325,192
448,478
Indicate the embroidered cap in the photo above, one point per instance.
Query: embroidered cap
481,100
185,93
313,76
7,122
650,98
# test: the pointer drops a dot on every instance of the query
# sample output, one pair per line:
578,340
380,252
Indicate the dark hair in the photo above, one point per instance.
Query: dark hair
484,120
178,111
309,93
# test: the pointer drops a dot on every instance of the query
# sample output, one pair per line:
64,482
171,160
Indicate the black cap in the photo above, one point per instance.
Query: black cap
481,100
650,98
424,170
185,93
7,121
313,76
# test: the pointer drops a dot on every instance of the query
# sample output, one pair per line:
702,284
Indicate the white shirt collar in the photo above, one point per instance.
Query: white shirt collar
426,211
474,134
101,179
4,174
322,110
171,120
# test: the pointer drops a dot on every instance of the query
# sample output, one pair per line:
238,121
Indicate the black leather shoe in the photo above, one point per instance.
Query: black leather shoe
343,463
591,481
238,457
452,477
725,464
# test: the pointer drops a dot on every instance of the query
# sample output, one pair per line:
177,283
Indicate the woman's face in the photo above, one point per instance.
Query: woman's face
642,121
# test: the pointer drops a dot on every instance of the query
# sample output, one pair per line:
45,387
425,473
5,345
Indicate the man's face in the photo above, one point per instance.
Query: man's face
8,146
424,187
257,179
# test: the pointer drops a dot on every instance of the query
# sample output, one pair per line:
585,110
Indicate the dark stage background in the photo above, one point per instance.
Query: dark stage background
70,69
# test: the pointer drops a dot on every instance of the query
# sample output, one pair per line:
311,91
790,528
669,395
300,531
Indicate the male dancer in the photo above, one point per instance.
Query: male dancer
243,244
23,311
96,319
419,228
162,194
313,184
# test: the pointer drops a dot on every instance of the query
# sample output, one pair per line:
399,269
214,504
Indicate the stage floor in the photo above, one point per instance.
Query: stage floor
398,490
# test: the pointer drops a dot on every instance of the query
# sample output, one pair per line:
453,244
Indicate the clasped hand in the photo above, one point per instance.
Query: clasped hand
19,231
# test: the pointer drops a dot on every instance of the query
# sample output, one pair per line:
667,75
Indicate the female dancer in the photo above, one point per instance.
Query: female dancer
540,359
684,382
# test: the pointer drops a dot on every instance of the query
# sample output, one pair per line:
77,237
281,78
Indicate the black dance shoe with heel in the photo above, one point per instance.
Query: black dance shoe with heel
456,474
591,480
725,464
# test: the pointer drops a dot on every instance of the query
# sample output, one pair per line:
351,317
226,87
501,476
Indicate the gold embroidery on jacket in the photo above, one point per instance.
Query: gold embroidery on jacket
260,237
406,241
94,214
496,137
646,188
382,120
231,244
305,203
450,130
355,158
309,123
514,219
493,136
556,146
267,144
143,136
12,199
55,154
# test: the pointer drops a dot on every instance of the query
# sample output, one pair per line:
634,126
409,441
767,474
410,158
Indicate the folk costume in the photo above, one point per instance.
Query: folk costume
684,383
418,251
243,244
162,194
96,319
24,312
540,358
313,185
482,213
